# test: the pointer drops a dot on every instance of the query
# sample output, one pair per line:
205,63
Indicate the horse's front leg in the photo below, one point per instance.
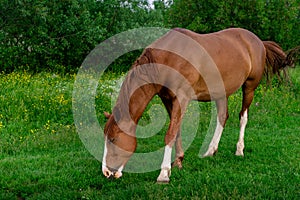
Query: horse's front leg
178,143
165,173
170,138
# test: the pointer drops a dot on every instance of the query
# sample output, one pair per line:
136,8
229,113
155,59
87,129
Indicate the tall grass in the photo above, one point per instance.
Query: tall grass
42,157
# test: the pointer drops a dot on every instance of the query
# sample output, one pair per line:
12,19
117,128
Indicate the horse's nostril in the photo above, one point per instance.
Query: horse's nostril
107,173
118,174
111,173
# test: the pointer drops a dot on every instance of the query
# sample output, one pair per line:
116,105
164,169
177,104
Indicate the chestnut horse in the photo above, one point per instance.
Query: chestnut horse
182,66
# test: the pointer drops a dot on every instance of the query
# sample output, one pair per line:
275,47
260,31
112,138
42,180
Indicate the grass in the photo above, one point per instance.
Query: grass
42,157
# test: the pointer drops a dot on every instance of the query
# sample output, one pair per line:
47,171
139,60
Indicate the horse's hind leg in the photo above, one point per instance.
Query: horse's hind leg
248,95
222,117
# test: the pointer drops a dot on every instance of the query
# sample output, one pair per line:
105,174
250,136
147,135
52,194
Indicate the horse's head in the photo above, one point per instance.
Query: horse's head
118,148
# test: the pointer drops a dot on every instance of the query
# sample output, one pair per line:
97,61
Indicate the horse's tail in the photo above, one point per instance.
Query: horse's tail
277,60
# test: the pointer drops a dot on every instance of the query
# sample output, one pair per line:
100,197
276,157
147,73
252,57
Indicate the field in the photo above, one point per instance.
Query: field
42,157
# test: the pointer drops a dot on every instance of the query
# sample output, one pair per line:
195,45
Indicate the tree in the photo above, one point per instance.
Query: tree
270,20
47,34
58,35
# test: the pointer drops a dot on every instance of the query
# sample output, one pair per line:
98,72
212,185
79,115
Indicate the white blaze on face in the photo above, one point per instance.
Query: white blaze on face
106,172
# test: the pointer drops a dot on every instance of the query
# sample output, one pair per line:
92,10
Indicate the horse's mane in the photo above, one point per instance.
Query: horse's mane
143,71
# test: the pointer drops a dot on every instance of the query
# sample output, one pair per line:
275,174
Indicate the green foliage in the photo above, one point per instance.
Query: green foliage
270,20
29,103
46,35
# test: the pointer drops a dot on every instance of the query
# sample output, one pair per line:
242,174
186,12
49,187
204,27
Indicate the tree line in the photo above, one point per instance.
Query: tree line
55,35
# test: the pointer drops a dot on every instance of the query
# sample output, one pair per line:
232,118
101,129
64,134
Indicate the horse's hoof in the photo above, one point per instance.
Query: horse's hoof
164,175
177,163
210,153
163,181
239,153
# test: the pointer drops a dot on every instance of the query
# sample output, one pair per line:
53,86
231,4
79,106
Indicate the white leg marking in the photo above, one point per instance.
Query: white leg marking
165,172
240,145
213,146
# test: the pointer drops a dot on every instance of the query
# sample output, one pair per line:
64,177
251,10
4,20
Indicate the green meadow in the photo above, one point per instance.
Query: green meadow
42,156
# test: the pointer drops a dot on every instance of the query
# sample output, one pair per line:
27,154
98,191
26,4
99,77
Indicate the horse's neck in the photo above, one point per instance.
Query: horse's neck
132,101
137,91
140,99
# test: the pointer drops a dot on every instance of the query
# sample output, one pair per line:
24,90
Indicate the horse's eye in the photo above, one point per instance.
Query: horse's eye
111,140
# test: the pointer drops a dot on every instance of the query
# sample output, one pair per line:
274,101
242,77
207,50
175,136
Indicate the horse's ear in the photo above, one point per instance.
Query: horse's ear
116,114
107,115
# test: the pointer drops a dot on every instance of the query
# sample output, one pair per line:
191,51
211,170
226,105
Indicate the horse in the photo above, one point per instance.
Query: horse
180,67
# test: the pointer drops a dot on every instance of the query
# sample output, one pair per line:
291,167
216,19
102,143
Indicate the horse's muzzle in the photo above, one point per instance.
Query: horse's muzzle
111,173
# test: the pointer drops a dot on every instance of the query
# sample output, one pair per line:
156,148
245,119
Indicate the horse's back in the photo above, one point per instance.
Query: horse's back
233,44
238,55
